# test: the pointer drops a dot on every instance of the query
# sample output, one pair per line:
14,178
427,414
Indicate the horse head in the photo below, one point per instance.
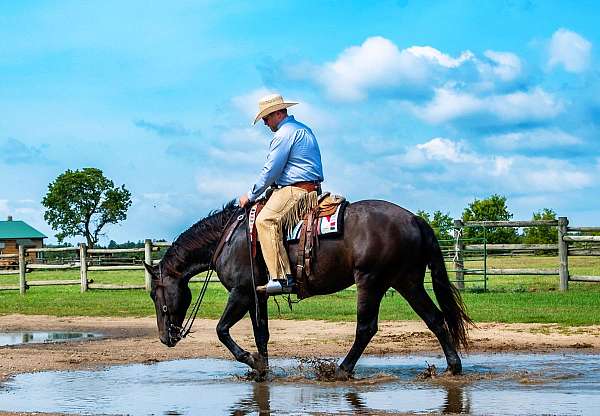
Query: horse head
172,297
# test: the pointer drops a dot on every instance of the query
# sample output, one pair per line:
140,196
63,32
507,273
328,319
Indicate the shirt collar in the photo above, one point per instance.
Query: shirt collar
285,120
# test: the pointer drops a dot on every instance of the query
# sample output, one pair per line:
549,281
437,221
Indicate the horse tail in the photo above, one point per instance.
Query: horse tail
447,295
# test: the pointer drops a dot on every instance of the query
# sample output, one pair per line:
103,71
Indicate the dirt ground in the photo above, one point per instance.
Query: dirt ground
135,340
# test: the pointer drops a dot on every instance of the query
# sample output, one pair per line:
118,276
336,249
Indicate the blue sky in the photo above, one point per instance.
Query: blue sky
426,104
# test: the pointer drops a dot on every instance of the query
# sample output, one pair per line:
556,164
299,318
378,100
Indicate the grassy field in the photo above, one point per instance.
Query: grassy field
508,299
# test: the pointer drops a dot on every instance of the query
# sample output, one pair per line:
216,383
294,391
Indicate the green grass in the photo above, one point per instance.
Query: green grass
509,299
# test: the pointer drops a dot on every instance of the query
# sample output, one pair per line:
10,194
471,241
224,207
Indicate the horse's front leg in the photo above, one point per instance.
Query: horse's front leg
237,305
260,324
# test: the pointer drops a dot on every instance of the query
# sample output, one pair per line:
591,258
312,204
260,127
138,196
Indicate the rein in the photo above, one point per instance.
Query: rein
186,329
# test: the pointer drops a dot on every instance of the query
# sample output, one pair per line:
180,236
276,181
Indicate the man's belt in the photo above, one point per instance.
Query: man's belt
308,186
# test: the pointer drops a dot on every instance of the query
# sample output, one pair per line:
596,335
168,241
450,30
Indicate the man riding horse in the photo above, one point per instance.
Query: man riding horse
382,246
294,168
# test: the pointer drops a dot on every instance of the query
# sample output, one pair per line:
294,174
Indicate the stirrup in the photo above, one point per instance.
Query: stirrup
278,287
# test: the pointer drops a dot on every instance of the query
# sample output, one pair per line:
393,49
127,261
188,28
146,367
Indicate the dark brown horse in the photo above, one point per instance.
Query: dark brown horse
383,246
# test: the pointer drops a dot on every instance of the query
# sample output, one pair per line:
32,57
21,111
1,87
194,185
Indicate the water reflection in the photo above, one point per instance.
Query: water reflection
259,401
355,401
456,400
35,337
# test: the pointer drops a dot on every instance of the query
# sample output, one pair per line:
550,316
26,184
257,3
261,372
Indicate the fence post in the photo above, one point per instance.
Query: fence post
22,270
148,261
458,255
83,267
563,254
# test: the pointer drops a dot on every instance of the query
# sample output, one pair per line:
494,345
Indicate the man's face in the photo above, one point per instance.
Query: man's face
272,120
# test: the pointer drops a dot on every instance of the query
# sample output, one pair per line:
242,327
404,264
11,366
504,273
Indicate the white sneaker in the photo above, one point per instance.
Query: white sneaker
277,287
274,287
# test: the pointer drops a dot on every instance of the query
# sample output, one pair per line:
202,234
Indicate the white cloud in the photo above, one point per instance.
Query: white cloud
443,149
446,161
535,104
556,176
449,104
532,139
438,57
378,63
569,50
438,149
502,166
506,65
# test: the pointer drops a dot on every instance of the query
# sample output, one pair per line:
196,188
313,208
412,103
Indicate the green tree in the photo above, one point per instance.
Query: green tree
424,215
82,202
442,224
490,209
542,234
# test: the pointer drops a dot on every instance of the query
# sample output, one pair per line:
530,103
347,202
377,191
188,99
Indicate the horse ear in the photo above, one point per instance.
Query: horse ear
150,270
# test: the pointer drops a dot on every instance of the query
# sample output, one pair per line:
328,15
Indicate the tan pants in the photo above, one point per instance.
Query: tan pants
270,228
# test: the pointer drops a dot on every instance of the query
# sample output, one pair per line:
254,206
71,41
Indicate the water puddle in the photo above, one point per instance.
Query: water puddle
495,384
37,337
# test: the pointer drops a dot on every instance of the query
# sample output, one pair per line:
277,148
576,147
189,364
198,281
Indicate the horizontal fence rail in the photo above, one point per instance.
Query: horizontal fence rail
516,272
582,238
459,252
584,229
510,224
85,263
568,244
503,247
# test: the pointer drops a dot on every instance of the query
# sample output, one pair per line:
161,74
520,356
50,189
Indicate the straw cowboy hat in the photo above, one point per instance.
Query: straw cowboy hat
270,104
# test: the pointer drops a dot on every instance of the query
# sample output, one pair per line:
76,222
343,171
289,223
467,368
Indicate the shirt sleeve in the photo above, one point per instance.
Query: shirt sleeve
277,158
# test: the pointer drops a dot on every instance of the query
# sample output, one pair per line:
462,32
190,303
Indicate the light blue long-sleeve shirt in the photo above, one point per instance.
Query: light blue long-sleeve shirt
294,156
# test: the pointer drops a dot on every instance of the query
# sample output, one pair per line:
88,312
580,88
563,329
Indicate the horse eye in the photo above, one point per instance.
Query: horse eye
164,308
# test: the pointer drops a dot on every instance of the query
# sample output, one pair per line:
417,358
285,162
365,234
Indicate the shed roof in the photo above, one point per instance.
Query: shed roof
18,229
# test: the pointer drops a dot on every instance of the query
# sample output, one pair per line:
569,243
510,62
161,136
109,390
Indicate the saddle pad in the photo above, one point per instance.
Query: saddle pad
329,224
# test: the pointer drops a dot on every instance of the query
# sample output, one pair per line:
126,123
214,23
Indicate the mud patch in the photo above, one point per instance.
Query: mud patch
321,369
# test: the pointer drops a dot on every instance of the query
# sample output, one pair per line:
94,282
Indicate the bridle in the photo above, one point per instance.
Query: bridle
171,327
183,331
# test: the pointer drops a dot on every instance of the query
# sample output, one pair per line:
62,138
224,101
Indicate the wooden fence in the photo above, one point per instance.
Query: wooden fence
83,264
457,254
563,248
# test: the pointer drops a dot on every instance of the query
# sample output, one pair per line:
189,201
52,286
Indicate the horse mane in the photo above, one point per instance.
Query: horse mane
197,243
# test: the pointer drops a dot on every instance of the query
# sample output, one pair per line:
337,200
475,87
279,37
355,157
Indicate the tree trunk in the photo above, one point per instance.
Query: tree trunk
88,236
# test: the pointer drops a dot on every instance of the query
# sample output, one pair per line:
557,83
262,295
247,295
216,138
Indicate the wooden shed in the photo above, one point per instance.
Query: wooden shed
16,233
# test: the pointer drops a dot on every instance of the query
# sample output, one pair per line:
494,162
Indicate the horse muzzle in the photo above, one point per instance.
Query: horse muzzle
172,336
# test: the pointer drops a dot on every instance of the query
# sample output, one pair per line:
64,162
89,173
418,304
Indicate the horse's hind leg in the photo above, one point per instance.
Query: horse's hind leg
422,304
370,291
237,305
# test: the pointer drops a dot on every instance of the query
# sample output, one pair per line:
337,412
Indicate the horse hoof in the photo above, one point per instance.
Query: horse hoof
261,363
455,370
342,375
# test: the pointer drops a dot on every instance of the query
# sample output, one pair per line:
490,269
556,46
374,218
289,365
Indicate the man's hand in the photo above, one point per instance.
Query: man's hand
243,200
